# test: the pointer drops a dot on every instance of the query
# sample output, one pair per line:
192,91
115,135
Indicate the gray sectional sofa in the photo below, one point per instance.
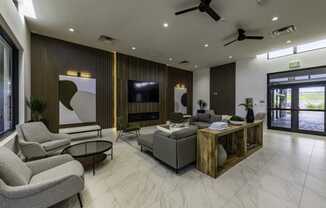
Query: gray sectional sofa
177,149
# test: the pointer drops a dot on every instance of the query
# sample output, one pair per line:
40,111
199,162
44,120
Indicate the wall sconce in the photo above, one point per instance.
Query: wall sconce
181,86
79,74
72,73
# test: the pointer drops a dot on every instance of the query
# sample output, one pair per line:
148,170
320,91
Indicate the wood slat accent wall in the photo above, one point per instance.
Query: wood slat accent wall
132,68
52,57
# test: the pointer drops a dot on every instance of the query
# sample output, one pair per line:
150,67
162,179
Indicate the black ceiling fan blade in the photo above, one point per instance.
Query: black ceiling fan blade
207,2
255,37
213,14
229,43
186,10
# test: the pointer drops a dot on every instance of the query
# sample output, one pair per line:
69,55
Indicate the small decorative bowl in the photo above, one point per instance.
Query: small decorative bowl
238,123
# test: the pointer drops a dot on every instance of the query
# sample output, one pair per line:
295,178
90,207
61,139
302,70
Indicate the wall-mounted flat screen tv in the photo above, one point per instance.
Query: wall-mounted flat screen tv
143,91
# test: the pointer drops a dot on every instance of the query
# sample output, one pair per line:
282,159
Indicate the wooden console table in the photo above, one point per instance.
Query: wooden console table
248,138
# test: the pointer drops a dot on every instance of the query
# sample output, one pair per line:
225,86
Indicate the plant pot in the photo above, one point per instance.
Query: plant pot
250,118
201,111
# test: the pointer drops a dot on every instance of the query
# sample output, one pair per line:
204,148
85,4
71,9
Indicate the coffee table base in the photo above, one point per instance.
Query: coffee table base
91,161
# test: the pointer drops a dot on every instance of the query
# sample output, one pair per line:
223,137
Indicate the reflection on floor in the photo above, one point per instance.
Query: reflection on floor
290,171
308,120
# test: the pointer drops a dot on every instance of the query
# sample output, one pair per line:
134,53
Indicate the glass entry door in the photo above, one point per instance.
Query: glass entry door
281,111
311,108
298,108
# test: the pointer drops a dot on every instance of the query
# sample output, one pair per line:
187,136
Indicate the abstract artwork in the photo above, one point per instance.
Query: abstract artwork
77,100
180,100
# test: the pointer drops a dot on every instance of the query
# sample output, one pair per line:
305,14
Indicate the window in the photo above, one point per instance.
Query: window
311,46
293,50
280,53
8,87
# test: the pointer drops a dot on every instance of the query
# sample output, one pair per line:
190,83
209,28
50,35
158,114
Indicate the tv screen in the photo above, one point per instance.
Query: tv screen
143,91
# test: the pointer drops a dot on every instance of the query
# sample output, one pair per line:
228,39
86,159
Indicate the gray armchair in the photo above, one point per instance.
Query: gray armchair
36,141
177,149
38,184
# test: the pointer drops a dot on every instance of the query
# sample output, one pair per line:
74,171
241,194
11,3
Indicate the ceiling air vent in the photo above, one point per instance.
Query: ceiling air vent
106,39
184,62
284,30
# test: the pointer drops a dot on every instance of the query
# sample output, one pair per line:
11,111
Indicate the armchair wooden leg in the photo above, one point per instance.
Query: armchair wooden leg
80,201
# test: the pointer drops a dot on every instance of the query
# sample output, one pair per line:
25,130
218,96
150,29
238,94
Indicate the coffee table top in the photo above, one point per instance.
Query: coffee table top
89,148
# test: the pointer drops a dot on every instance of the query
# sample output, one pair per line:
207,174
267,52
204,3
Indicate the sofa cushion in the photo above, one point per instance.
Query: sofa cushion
215,118
203,117
146,140
186,132
55,144
201,125
35,132
70,168
13,171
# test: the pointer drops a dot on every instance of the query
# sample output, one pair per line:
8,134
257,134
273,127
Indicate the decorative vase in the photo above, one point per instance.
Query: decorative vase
201,111
222,155
250,118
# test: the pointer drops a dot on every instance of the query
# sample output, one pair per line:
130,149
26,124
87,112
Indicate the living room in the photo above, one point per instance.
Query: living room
204,104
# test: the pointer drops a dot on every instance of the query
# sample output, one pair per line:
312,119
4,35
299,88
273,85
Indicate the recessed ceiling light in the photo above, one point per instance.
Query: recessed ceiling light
170,59
205,45
289,41
71,29
274,19
230,57
196,66
133,48
165,24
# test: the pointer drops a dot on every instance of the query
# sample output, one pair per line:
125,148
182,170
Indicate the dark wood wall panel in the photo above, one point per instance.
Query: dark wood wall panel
222,89
132,68
52,57
177,76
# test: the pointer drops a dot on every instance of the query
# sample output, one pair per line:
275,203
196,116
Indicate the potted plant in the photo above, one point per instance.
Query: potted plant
37,107
250,118
236,120
202,106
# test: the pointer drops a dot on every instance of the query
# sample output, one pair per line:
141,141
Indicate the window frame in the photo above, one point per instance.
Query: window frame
15,83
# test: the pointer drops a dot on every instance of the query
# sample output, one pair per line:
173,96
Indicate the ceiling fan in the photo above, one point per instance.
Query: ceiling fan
204,6
242,36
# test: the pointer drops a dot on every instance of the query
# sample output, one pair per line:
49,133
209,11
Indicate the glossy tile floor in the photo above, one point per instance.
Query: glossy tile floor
290,171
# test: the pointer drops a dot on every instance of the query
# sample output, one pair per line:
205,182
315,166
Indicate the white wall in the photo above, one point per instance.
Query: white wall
251,76
14,24
201,80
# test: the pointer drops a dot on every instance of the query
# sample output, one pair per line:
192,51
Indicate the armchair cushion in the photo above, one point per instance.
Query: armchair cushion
61,171
35,132
13,171
38,166
55,144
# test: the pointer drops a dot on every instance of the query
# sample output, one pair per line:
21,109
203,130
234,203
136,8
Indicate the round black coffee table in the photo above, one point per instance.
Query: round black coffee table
90,152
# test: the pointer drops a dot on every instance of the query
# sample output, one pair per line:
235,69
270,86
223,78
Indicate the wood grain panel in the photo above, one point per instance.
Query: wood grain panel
52,57
178,76
132,68
222,89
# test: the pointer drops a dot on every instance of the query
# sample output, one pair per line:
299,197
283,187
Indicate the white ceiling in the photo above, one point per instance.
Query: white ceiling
139,23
